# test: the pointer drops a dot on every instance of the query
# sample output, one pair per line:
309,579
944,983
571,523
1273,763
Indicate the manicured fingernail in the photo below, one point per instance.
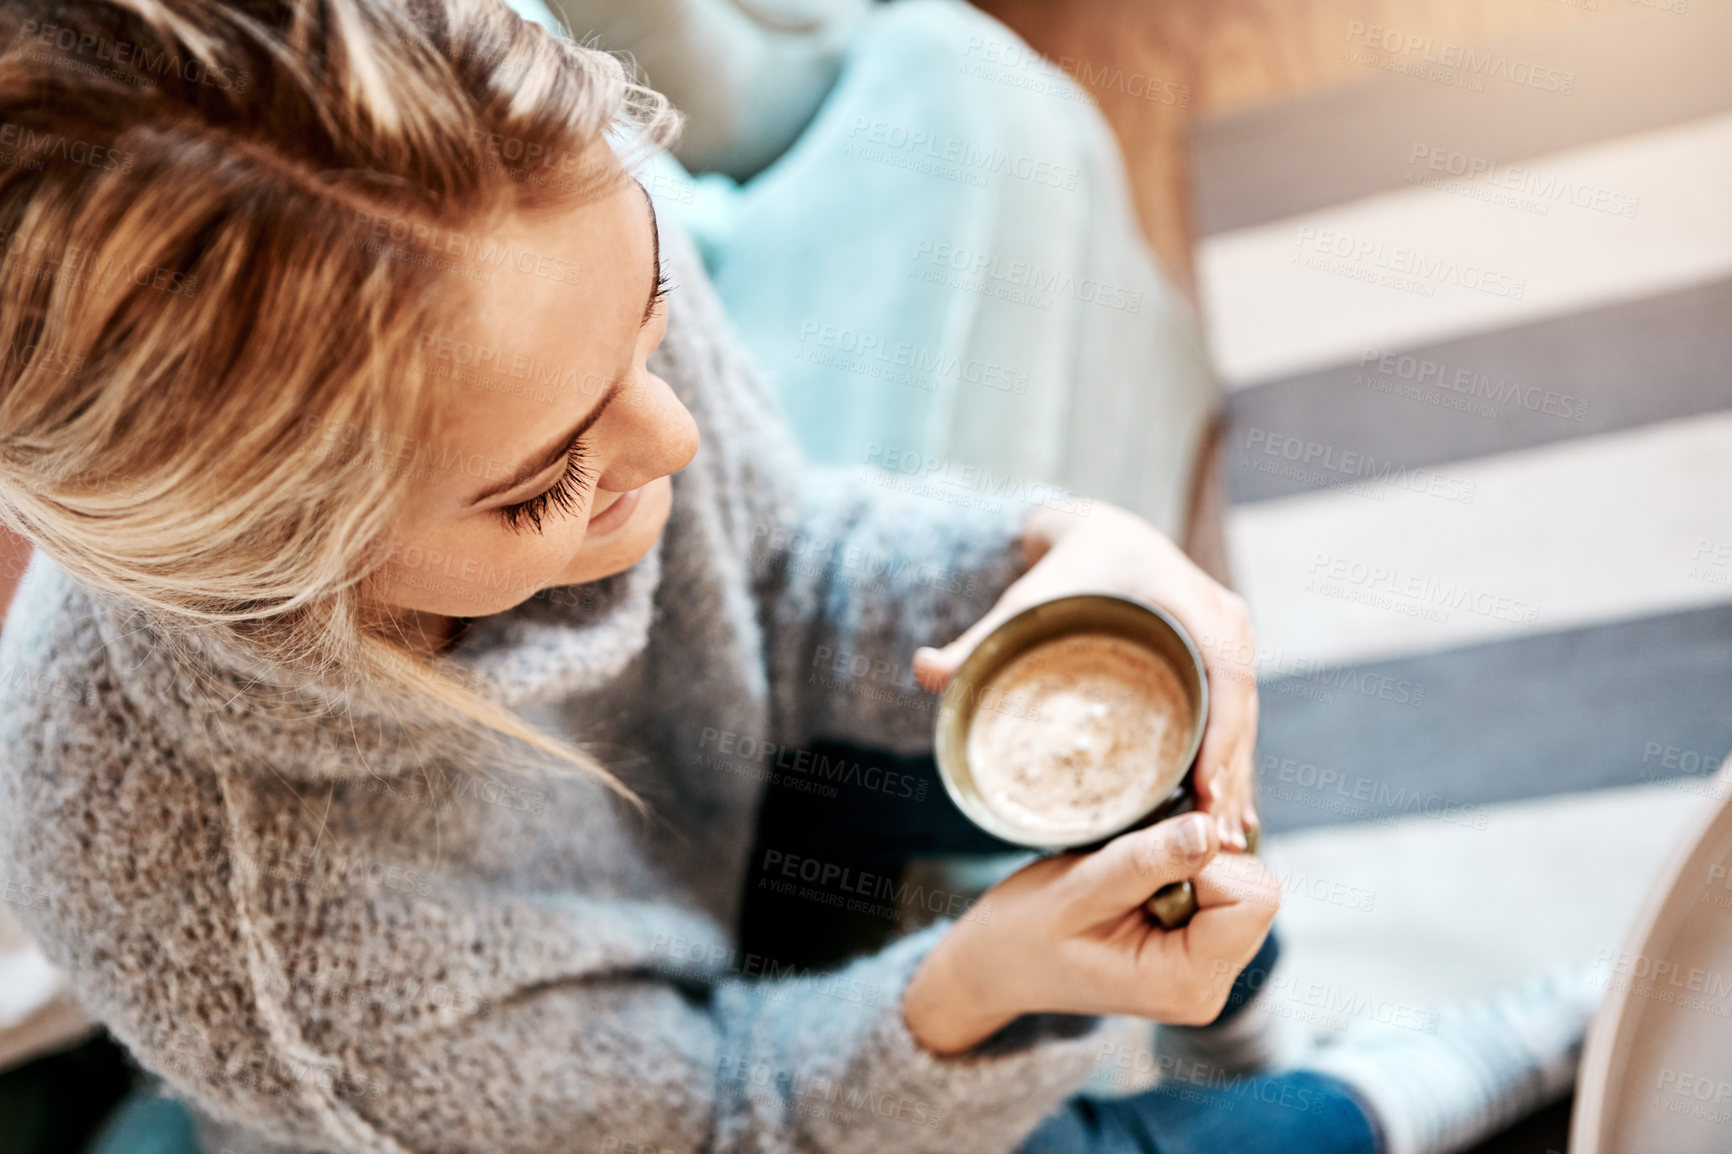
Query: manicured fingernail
1235,835
1193,836
1218,781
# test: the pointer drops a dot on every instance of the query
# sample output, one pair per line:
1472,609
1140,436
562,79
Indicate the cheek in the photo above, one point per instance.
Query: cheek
482,569
622,549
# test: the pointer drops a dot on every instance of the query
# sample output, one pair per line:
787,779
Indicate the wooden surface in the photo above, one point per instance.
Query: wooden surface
1254,51
1155,65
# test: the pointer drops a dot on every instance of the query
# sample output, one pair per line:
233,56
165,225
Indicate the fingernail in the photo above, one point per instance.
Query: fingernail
1235,835
1218,781
1193,836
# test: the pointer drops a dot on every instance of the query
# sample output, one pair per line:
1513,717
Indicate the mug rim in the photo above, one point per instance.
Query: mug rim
955,712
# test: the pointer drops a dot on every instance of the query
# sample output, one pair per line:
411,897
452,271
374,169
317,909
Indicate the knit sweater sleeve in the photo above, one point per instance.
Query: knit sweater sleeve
306,967
321,991
819,1064
855,578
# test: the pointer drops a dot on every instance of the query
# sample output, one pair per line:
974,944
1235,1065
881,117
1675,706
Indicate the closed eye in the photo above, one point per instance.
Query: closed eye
562,495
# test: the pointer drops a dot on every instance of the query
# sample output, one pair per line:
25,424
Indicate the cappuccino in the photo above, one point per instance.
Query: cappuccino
1106,739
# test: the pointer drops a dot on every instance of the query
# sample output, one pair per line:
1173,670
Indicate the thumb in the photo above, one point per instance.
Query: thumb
1124,873
934,668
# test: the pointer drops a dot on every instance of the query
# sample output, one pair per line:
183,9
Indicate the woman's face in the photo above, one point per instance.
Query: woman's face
554,465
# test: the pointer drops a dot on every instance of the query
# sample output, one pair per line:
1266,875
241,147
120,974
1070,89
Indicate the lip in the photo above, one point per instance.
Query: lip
617,513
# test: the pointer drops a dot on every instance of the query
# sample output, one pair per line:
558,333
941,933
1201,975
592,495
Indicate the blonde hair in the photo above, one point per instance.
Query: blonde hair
186,306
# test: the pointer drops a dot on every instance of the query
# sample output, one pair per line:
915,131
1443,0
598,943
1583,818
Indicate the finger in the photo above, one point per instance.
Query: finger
1232,674
1228,813
934,667
1220,791
1244,771
1253,822
1225,947
1223,732
1233,806
1245,793
1237,880
1225,763
1232,724
1124,873
1237,899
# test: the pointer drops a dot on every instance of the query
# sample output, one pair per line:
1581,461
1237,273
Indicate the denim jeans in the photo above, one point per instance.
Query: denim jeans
856,825
1197,1110
1296,1112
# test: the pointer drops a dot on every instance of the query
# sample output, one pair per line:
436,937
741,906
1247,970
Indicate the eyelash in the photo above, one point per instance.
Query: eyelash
664,283
563,494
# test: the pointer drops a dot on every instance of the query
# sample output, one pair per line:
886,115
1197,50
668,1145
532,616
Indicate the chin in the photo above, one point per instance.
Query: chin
628,543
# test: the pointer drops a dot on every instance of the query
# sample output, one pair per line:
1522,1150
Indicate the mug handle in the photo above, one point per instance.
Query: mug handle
1174,904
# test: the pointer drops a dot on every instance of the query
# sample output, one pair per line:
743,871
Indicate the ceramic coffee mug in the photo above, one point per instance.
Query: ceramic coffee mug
1144,625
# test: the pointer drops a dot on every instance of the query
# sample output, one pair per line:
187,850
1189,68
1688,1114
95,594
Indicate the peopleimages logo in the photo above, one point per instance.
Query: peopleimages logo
1663,972
1399,266
49,259
1377,795
1018,281
483,253
159,64
937,473
1350,469
1414,594
1479,64
875,355
951,156
860,891
1013,63
793,761
1471,383
1459,170
35,146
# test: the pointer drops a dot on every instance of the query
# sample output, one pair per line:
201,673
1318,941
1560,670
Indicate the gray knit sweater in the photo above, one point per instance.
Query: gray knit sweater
326,940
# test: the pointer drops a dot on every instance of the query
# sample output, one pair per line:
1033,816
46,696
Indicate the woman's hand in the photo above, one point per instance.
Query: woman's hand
1068,934
1113,551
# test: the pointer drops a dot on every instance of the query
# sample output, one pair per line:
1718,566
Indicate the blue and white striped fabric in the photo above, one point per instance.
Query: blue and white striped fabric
1475,334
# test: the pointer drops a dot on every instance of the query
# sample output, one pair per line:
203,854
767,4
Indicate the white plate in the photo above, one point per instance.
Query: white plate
1656,1074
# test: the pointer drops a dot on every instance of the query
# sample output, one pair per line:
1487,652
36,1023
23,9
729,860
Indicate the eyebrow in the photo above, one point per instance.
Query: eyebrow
562,446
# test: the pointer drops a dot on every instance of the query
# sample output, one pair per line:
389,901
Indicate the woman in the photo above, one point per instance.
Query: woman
348,406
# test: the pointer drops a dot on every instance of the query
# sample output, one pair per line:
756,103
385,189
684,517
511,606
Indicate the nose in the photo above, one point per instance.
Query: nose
657,436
